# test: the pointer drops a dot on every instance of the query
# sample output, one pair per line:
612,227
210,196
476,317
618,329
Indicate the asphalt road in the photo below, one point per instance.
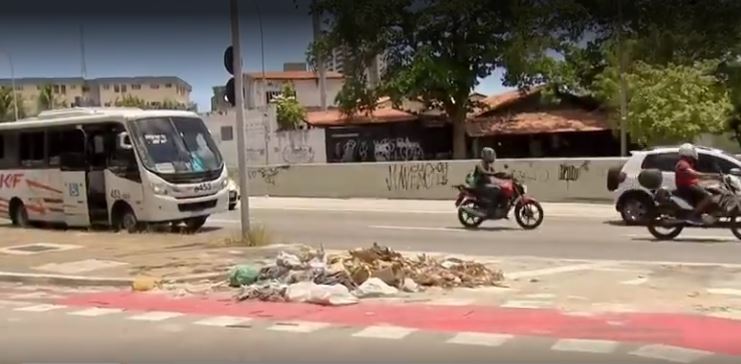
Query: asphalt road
596,234
54,337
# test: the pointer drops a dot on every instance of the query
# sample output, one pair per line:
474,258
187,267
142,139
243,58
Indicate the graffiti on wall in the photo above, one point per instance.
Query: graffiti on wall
399,149
568,172
267,174
255,155
416,176
297,154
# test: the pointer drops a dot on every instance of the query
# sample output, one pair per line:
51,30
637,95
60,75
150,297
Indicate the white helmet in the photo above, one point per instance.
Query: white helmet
688,150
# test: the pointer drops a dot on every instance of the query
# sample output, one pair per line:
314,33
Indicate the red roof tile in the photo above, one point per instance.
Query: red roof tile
293,75
555,121
334,117
494,102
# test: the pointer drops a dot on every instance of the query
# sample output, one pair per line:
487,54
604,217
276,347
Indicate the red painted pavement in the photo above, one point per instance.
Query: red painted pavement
690,331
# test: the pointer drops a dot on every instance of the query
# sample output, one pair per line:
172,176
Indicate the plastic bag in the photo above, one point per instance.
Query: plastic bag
243,275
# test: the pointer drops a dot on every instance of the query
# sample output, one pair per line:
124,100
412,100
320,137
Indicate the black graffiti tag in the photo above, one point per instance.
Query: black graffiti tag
568,172
416,176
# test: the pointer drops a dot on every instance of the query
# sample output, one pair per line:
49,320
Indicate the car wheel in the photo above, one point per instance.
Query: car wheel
634,210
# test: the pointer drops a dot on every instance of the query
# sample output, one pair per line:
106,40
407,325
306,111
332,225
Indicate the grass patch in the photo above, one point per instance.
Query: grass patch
258,235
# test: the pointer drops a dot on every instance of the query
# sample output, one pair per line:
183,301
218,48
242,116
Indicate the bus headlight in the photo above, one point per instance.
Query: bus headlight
159,189
225,183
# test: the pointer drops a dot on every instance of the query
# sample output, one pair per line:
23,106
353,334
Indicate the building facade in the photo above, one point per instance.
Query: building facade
70,92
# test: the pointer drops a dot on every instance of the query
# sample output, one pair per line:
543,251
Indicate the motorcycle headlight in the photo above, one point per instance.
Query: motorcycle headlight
159,189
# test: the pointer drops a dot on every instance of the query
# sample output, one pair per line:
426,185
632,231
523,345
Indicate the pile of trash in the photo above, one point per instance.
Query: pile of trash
315,277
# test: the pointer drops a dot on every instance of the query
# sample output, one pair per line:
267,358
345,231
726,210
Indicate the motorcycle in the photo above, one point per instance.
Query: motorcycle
673,213
473,209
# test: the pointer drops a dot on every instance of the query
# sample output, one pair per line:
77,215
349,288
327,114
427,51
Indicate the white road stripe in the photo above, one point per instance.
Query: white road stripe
635,282
670,353
540,296
425,228
223,321
586,346
298,326
32,295
556,270
95,311
479,338
526,304
155,316
725,291
384,332
40,308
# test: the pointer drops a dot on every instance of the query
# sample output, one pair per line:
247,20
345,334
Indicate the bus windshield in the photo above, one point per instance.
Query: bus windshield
175,145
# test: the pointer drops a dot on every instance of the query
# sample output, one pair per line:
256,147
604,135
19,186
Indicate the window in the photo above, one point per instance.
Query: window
64,89
227,133
711,164
73,87
168,85
32,148
123,88
64,141
154,86
270,95
55,88
38,87
107,104
19,87
116,88
2,146
662,161
85,88
106,87
136,86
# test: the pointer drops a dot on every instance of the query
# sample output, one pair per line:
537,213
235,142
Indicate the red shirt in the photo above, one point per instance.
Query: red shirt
685,174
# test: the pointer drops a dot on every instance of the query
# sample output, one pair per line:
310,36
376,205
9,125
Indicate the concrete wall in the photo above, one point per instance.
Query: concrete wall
550,180
283,147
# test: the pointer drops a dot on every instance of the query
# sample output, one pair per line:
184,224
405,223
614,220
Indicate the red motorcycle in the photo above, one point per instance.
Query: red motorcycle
473,210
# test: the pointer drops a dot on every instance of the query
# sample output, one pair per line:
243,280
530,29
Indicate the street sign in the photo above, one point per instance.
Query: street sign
229,59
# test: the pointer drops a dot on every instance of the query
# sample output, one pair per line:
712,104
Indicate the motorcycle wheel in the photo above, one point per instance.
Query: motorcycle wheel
735,223
524,211
654,224
467,220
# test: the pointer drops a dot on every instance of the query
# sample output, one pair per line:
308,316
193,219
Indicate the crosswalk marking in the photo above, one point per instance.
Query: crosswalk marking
479,338
586,346
39,308
298,326
670,353
223,321
95,311
155,316
384,332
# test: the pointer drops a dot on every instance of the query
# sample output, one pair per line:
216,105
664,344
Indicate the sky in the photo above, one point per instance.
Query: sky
184,38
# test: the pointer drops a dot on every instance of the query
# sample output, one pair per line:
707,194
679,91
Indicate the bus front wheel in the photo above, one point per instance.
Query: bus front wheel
194,223
126,220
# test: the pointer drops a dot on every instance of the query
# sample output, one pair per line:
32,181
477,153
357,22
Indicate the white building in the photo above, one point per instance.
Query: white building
260,89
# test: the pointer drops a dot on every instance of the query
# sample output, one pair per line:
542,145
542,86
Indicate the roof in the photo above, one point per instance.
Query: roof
494,102
334,117
555,121
90,115
292,75
80,80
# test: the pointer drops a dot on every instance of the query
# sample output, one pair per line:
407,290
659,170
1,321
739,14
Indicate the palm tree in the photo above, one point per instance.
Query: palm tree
7,105
46,98
131,101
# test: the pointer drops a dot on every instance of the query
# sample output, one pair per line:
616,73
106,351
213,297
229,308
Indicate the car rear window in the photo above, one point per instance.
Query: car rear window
662,161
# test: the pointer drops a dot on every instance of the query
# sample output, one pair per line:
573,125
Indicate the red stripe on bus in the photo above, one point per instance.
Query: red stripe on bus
42,186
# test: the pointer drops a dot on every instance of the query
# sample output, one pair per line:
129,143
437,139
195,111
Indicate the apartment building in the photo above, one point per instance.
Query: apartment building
69,92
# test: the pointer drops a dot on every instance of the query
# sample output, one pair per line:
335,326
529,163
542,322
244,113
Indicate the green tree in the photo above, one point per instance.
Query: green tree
7,105
290,114
437,50
46,100
131,101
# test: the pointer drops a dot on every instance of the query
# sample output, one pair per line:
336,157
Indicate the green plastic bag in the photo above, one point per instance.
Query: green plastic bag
243,275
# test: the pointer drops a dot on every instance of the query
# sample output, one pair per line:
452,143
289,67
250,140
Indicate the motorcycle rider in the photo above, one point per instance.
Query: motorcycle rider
688,181
482,175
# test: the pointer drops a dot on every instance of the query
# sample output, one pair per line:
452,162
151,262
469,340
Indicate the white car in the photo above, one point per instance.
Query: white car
633,201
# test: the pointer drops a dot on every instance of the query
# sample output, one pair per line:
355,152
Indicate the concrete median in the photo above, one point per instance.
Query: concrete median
550,180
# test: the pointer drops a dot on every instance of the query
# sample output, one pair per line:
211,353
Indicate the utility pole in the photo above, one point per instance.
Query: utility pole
321,66
266,127
239,105
623,85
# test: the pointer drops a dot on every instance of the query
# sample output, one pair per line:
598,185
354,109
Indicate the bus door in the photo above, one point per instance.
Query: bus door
73,167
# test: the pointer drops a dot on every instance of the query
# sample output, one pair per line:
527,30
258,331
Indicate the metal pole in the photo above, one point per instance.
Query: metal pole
266,129
321,66
239,96
623,86
12,84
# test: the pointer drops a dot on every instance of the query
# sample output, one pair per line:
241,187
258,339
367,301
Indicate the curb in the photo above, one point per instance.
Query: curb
82,281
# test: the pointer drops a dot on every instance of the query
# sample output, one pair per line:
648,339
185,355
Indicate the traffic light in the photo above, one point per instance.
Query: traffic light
229,94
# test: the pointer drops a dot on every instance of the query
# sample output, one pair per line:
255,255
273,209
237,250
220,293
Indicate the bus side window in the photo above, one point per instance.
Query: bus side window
64,141
32,149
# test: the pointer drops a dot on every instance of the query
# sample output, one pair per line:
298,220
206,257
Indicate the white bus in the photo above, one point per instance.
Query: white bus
119,167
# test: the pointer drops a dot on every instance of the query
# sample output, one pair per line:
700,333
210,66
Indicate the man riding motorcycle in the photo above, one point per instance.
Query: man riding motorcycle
688,181
482,176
